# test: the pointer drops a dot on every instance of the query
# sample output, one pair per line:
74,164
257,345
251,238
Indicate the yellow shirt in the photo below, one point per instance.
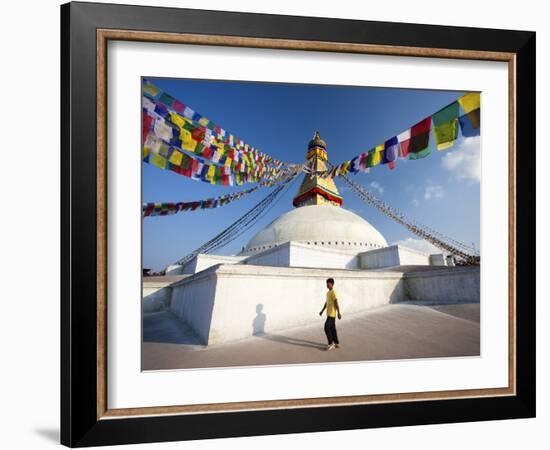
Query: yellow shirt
331,303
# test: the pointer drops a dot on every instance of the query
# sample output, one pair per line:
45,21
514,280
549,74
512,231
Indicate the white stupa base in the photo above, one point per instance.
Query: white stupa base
229,302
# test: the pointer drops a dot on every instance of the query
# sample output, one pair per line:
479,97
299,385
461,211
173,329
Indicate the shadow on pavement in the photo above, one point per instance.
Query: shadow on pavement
291,341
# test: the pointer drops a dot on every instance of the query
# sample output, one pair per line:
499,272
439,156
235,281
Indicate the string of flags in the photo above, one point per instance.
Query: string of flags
177,138
167,209
413,143
466,254
170,208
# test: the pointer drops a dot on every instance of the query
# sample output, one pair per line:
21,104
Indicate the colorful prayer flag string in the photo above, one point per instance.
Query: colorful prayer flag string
155,99
170,208
413,143
180,147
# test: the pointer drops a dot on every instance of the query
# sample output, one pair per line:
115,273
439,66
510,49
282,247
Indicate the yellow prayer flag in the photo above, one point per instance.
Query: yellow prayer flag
178,120
377,157
176,157
211,173
157,160
470,101
203,121
151,89
187,141
445,145
146,152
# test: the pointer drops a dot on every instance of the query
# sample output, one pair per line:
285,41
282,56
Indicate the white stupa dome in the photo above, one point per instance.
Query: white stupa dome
321,225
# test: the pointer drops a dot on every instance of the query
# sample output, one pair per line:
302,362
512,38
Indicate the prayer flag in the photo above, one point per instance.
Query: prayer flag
150,89
147,124
354,166
188,112
163,131
178,106
404,140
177,120
371,158
168,100
420,136
421,127
176,157
470,123
161,109
147,104
420,154
152,143
446,126
187,141
470,101
157,160
391,147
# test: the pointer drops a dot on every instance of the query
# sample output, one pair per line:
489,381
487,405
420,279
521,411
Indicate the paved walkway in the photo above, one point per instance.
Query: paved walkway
395,331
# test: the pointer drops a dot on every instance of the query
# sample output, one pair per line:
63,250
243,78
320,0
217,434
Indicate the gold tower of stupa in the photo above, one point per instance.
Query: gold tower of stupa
316,190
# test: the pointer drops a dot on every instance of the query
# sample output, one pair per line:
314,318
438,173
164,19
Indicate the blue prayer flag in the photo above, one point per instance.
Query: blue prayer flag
469,124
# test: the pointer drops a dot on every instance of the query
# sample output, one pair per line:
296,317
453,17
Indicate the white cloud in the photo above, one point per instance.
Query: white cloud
433,191
465,160
375,185
418,244
415,202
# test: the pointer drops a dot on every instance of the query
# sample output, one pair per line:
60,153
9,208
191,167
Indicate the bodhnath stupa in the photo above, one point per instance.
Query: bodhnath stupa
318,220
318,232
282,269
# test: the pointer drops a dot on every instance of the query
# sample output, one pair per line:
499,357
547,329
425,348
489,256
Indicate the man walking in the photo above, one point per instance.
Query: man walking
333,309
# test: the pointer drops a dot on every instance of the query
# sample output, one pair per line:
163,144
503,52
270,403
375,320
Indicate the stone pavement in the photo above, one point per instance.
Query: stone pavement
397,331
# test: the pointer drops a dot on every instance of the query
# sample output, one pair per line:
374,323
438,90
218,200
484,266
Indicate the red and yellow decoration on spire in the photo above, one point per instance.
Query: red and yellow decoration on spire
317,190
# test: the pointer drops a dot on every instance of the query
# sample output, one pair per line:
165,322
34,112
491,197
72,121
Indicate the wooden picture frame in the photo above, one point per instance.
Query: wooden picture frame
85,417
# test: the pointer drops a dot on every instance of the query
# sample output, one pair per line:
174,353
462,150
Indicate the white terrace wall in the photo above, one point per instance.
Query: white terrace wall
295,254
203,261
193,301
157,292
445,285
394,255
229,302
277,256
303,255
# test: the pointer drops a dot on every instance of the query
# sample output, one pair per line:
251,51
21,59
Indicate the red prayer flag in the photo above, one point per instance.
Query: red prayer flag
197,134
420,142
421,127
147,122
404,148
149,210
178,106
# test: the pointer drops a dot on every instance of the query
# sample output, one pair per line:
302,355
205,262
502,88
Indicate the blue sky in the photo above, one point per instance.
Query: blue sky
441,190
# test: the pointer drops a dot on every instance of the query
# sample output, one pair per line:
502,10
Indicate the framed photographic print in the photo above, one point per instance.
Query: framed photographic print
276,224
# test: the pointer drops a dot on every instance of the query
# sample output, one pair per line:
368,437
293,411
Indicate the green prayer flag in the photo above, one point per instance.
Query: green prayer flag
166,99
445,123
420,154
446,134
447,114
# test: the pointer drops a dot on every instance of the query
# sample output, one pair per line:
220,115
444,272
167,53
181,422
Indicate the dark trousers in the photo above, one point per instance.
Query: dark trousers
330,330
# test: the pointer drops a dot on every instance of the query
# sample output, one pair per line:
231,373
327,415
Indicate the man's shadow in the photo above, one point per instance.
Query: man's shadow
258,324
258,330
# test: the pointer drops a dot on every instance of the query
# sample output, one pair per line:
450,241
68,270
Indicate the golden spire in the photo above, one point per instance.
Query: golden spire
317,142
316,190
